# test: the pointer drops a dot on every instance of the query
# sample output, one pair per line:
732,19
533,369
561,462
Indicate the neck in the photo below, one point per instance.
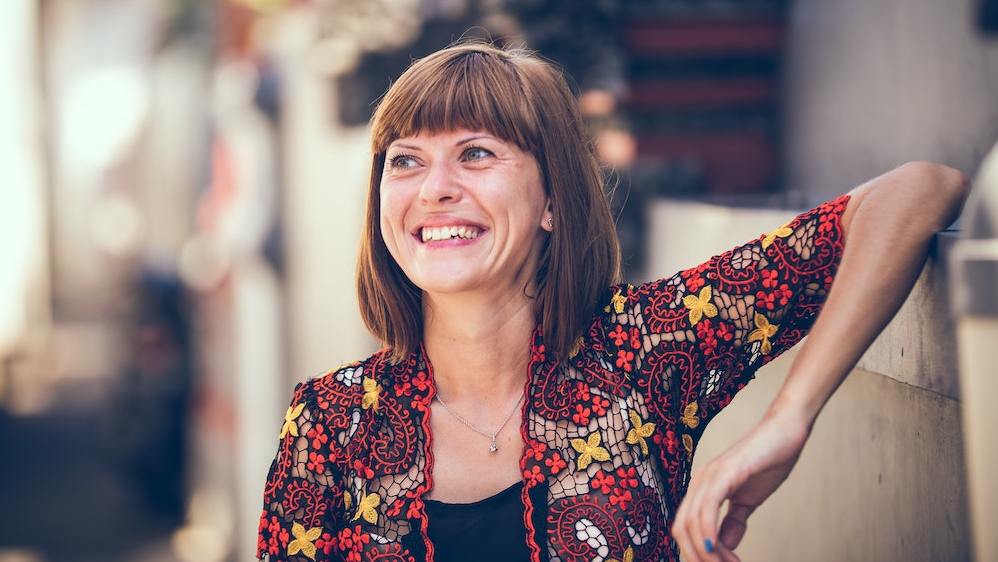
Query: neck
479,351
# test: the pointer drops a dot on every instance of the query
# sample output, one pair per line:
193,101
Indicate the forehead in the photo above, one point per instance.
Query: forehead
468,92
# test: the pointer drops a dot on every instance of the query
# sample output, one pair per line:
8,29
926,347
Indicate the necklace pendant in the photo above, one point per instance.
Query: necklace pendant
494,447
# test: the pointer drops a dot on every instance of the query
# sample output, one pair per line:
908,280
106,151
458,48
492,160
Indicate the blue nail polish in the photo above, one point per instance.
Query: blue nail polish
709,545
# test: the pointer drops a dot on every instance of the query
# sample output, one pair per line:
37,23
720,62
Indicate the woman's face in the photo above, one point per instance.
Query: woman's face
463,211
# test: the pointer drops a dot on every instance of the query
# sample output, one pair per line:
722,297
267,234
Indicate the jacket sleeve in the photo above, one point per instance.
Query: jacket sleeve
303,497
696,338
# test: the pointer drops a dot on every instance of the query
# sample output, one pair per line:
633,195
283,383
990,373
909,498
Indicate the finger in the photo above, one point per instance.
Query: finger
698,516
734,524
688,537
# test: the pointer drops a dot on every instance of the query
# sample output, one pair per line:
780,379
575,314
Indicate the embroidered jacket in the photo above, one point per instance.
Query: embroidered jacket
610,433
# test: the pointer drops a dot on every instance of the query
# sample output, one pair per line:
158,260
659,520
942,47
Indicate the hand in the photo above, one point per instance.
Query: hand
744,475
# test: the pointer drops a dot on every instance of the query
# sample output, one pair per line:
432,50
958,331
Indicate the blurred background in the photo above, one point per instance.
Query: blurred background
182,186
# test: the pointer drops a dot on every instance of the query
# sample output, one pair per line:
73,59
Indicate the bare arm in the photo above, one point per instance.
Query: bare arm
888,224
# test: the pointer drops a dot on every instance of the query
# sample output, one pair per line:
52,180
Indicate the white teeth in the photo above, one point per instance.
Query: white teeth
439,233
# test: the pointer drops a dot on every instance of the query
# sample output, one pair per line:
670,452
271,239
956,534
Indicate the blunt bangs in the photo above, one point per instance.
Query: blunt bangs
464,88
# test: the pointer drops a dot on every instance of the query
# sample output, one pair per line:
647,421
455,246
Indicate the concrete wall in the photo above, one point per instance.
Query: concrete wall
870,84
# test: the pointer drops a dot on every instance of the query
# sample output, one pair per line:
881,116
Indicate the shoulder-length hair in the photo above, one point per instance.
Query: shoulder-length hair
519,98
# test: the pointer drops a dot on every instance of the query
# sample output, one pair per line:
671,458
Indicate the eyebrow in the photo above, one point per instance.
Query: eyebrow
463,141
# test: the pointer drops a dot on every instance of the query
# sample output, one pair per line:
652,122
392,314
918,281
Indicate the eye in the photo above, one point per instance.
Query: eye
401,162
473,153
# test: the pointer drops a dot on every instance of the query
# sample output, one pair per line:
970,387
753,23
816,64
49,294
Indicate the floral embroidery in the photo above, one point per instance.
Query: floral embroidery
617,301
624,358
688,444
290,425
304,540
700,306
372,393
763,331
589,450
690,418
366,508
639,431
781,232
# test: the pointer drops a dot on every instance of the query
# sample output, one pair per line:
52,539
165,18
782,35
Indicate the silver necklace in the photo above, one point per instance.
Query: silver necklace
472,427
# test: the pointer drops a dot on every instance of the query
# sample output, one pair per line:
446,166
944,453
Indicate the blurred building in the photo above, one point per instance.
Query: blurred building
183,189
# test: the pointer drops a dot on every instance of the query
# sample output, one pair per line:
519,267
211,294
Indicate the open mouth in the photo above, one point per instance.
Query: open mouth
440,233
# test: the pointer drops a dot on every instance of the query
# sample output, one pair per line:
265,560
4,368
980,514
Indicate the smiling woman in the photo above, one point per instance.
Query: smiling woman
522,101
489,269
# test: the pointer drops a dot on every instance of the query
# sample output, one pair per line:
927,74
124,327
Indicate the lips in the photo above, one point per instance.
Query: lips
440,233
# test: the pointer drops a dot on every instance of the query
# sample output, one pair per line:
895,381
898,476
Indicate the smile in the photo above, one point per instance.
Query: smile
438,233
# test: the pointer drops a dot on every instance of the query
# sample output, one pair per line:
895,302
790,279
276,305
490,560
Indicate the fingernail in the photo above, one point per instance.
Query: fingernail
708,545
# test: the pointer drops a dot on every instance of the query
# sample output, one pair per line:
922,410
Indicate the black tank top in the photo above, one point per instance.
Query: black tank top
489,530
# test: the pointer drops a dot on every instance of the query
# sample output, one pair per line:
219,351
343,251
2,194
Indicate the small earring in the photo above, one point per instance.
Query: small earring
551,222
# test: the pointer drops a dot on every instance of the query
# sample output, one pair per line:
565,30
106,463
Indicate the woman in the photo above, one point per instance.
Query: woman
488,269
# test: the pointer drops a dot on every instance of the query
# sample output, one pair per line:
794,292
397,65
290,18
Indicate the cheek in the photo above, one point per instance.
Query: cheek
391,222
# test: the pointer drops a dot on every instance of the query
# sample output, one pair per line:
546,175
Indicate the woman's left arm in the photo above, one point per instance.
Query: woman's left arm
888,225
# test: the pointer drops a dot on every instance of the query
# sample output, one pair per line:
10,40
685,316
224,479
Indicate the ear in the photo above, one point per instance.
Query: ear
547,220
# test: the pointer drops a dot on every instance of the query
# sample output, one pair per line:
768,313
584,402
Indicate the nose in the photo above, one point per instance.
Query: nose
440,185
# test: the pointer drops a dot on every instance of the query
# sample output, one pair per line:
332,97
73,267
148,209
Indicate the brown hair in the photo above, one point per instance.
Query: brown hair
518,97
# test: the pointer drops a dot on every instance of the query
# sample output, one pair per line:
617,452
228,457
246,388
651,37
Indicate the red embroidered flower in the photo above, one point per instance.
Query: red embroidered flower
582,391
724,332
669,440
765,300
403,389
533,474
316,462
705,335
624,359
635,338
618,335
825,223
603,482
536,450
324,543
352,541
421,381
581,415
627,477
556,463
770,278
621,498
318,436
600,405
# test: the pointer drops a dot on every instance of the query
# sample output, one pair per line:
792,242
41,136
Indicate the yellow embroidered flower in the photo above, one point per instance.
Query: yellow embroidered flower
617,301
304,540
628,556
347,500
763,331
372,393
575,348
690,417
688,444
639,431
589,450
366,508
290,425
700,306
781,232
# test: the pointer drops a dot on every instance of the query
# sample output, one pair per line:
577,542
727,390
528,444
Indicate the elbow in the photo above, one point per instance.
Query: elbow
937,187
